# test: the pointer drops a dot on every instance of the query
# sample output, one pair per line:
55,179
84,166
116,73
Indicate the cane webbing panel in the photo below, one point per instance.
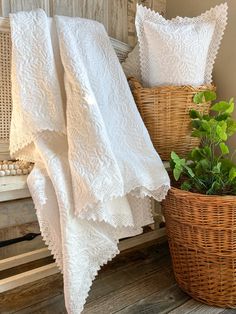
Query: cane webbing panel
5,86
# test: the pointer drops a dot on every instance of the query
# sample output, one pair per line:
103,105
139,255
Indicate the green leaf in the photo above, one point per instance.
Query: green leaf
195,154
232,174
227,164
205,125
204,96
231,127
231,106
205,164
199,170
172,164
223,116
177,172
217,168
206,117
199,134
194,114
214,188
224,149
186,186
179,163
221,133
207,151
210,95
174,157
222,106
190,171
199,98
196,123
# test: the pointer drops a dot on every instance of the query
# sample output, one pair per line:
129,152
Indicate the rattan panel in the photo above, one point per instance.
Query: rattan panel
5,86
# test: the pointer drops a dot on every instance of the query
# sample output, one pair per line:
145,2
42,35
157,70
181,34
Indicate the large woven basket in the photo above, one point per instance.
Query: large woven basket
201,231
165,112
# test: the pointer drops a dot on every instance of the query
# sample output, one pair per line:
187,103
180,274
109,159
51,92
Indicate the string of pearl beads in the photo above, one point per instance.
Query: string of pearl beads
14,168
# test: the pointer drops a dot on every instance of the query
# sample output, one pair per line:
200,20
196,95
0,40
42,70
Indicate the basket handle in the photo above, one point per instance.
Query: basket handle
134,83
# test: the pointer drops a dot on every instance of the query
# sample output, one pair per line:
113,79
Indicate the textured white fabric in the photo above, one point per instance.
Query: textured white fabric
179,51
94,161
131,65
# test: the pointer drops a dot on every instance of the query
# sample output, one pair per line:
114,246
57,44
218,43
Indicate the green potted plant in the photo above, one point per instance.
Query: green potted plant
200,209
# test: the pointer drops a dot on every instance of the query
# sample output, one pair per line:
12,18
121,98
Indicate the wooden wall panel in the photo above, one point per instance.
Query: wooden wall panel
91,9
116,15
18,218
159,6
118,19
5,7
20,247
62,7
17,212
9,6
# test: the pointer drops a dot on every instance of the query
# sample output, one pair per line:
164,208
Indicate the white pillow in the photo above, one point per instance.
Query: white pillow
180,51
131,65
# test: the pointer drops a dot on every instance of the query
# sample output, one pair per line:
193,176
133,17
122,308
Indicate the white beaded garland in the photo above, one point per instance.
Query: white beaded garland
19,171
9,167
25,171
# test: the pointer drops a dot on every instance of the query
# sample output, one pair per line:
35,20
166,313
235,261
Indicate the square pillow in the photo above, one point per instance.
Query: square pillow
180,51
131,65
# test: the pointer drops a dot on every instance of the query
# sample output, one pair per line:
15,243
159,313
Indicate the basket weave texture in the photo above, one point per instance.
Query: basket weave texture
165,112
201,232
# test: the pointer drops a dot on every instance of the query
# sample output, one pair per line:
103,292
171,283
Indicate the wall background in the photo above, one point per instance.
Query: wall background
116,15
224,74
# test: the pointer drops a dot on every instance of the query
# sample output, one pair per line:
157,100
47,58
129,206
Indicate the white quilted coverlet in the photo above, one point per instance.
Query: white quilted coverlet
75,118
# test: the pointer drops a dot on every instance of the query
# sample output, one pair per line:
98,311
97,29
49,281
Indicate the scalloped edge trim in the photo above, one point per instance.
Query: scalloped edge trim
100,263
86,215
158,192
49,239
16,149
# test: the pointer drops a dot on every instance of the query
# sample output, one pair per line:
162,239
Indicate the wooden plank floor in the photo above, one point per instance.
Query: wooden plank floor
138,282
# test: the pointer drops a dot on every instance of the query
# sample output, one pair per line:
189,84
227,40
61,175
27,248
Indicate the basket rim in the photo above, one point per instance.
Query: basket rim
200,196
193,88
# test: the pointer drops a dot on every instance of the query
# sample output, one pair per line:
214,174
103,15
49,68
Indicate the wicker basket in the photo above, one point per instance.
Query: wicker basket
165,112
201,231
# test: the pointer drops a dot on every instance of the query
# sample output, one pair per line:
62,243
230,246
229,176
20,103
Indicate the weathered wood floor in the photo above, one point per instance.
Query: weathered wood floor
133,283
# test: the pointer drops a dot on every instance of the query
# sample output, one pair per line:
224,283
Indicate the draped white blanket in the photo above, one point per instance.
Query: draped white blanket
95,165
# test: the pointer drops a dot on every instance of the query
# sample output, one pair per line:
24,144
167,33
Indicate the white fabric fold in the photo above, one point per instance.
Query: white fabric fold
95,166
